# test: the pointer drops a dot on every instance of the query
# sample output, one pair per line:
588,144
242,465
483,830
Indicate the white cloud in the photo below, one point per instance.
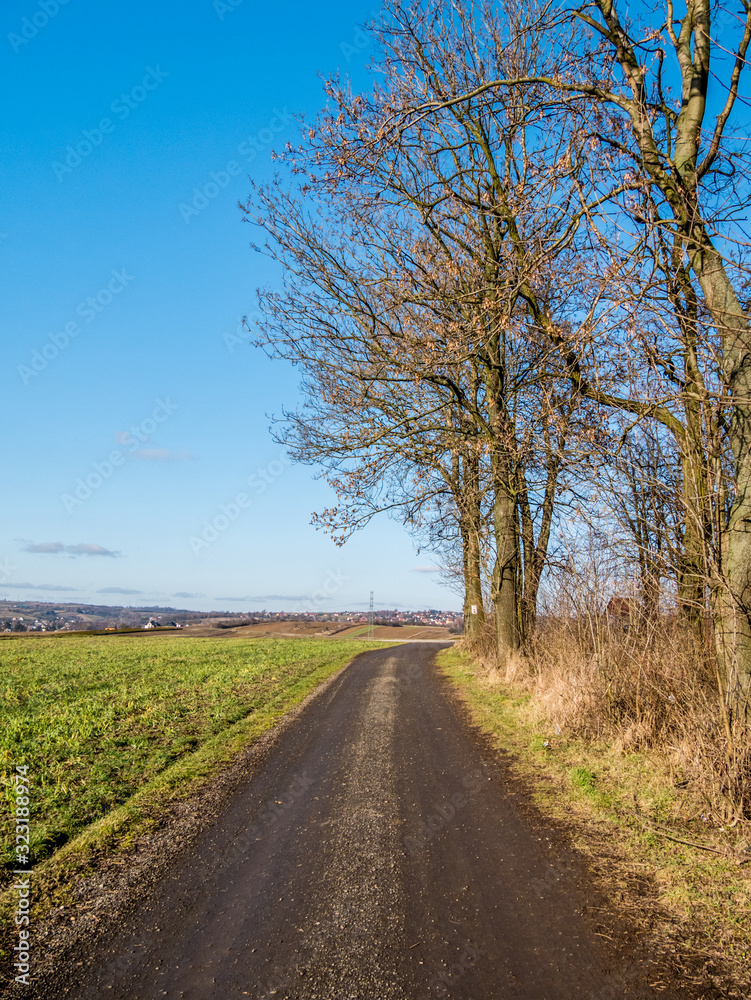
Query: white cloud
81,549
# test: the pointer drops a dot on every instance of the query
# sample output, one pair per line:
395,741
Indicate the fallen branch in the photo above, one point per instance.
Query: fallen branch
655,828
688,843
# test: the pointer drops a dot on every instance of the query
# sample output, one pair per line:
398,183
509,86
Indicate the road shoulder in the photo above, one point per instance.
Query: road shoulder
626,866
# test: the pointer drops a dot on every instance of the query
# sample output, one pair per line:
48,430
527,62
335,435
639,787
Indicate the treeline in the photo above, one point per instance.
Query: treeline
515,287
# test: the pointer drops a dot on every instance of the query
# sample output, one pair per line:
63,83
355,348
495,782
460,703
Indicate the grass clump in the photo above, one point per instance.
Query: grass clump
583,779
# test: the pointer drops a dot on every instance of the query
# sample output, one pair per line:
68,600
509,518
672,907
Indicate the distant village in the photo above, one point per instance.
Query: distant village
35,616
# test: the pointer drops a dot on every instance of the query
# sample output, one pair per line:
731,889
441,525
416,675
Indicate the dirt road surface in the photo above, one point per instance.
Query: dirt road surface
378,854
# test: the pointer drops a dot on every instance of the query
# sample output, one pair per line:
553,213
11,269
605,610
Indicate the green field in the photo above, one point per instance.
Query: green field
103,721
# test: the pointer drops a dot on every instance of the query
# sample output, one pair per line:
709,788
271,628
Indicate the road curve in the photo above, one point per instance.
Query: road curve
375,855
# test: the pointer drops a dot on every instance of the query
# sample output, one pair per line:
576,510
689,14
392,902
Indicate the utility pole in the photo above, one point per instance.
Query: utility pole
371,617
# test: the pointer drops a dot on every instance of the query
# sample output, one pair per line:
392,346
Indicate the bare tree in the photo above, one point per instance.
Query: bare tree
420,270
680,150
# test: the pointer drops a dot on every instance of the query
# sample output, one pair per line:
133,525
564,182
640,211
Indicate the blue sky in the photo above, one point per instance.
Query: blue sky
138,464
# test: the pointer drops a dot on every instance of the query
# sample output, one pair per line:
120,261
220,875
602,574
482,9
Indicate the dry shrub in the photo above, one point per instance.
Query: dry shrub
640,683
516,669
643,685
482,646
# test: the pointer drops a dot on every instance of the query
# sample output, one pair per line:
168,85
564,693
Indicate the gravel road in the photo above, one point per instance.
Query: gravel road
377,854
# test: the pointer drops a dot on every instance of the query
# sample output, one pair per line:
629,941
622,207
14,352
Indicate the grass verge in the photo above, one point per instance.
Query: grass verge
620,807
115,730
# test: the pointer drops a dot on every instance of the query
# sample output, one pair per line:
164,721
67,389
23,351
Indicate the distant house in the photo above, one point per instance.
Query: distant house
152,623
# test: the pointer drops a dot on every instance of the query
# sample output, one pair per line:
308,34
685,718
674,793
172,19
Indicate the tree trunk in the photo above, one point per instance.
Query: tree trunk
465,486
692,575
536,552
474,623
693,561
505,573
733,607
503,454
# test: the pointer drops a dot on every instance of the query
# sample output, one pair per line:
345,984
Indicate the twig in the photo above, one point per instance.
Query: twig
688,843
702,847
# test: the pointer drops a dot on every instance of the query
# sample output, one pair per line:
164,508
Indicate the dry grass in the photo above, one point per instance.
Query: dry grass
640,686
644,687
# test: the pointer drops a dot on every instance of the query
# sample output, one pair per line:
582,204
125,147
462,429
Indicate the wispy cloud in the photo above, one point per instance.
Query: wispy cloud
162,455
46,547
279,597
81,549
256,598
185,595
40,586
377,604
90,550
426,569
266,597
118,590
